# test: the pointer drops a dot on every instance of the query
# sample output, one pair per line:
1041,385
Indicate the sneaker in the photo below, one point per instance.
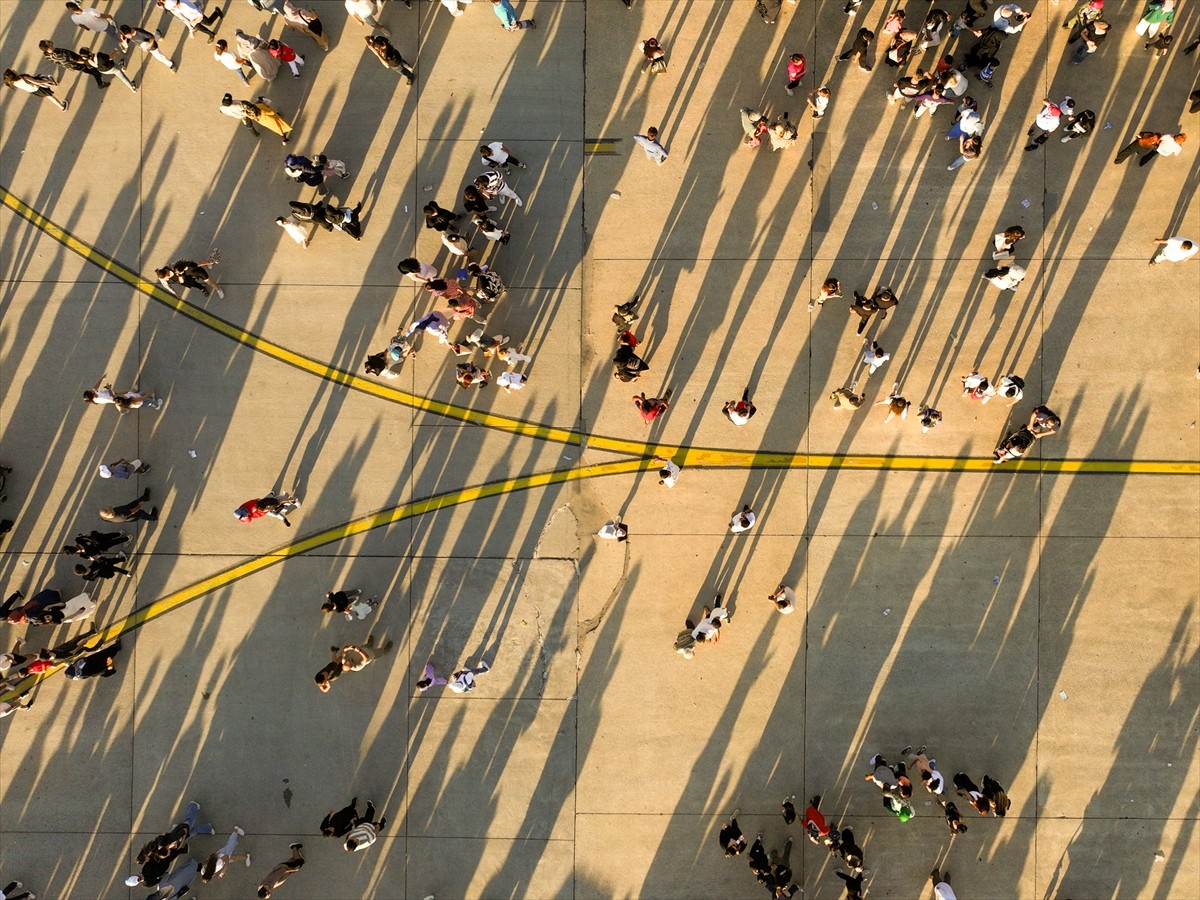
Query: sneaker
102,85
906,750
483,665
734,814
790,92
296,846
922,750
247,860
238,831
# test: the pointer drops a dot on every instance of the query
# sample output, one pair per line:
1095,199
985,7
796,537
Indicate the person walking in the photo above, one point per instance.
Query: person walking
831,289
497,155
969,790
192,274
278,875
508,16
739,412
242,110
257,52
730,837
192,16
145,41
1089,11
928,417
275,505
877,304
874,356
1168,146
654,56
106,65
1174,249
755,125
1145,141
69,59
353,658
306,21
102,394
365,831
783,133
796,68
178,883
784,599
219,861
1005,241
349,604
390,57
102,568
231,61
1094,34
270,118
954,820
860,50
37,85
93,20
491,184
742,521
1006,278
669,473
896,406
365,12
708,631
295,229
338,824
286,54
977,387
307,171
927,772
941,885
96,543
1079,125
1046,123
650,145
461,681
996,796
416,271
1158,14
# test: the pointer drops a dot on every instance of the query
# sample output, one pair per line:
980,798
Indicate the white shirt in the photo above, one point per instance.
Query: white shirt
789,597
234,110
971,123
735,522
821,102
1049,117
1168,146
706,627
228,59
364,9
943,891
514,381
295,230
185,11
875,360
22,85
669,474
461,682
736,417
496,152
1173,249
104,395
92,20
1010,389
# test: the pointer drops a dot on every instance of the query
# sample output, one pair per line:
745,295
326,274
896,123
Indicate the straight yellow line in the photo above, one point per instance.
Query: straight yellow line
361,525
704,457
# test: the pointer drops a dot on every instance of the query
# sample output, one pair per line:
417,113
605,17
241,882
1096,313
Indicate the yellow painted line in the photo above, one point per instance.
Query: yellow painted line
692,456
183,596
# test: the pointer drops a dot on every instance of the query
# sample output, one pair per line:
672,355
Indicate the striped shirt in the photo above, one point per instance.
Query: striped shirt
495,182
361,836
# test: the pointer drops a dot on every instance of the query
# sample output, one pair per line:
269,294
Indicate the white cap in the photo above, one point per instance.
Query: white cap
133,880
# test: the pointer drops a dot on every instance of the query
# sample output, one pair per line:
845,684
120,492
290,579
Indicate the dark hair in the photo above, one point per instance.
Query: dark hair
45,46
222,45
437,284
80,568
408,265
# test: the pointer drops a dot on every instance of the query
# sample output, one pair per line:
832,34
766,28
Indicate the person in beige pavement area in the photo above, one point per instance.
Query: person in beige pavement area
669,473
102,394
37,85
350,658
742,521
897,406
306,21
296,230
784,599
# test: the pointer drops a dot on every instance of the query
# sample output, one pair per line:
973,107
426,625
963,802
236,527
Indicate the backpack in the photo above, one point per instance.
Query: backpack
375,364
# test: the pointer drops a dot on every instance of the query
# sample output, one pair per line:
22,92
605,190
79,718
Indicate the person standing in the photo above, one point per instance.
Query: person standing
306,21
651,408
286,54
1090,11
650,145
1005,241
256,52
1167,146
818,101
1094,34
390,57
1174,249
1045,124
1079,125
278,875
739,412
784,599
860,50
348,604
508,16
654,56
365,830
941,885
795,73
1158,14
37,85
708,631
144,40
742,521
669,473
754,124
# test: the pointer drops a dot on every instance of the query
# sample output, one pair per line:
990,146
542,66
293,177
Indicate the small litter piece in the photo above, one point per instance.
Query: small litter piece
192,454
874,205
1159,856
888,611
1062,695
1107,125
616,195
995,579
1025,203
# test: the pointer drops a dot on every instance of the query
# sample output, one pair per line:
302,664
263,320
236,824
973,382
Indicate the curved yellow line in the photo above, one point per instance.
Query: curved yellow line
696,457
194,591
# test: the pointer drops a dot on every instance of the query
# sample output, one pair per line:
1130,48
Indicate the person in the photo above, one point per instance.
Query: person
390,57
349,604
1174,249
338,824
1006,278
941,885
739,412
1079,125
897,406
614,530
933,29
68,59
123,468
350,658
754,124
969,790
307,171
469,374
497,155
192,16
278,875
977,387
708,631
217,863
461,681
816,828
1014,446
178,883
849,851
306,21
286,54
242,110
889,779
452,6
1043,422
831,289
364,12
954,820
95,665
190,273
860,50
651,146
102,568
106,65
1089,11
1011,388
742,521
930,418
145,41
365,830
96,543
854,884
929,100
818,101
927,772
508,16
37,85
93,20
795,73
102,394
877,304
669,473
1010,18
295,229
1144,141
1006,240
784,599
1158,14
730,837
491,184
274,505
650,408
997,798
231,61
874,356
1045,124
901,47
1168,146
782,133
265,114
257,52
1094,34
654,56
416,271
130,512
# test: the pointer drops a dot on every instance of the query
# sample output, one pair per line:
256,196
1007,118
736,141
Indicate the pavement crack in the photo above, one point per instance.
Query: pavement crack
587,626
543,662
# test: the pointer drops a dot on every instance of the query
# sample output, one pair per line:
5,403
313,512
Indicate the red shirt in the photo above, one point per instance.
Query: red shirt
251,506
651,409
284,53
